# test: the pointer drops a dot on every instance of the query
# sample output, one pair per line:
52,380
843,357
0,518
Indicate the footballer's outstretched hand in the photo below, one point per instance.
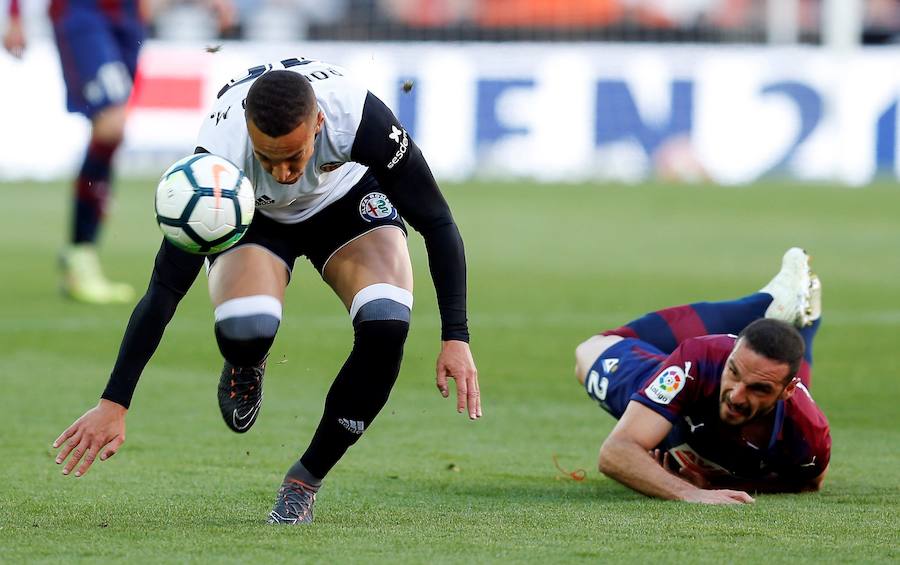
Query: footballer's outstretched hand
456,362
99,432
720,496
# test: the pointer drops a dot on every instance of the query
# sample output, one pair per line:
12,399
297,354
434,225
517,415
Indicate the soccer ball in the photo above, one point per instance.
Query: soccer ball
204,203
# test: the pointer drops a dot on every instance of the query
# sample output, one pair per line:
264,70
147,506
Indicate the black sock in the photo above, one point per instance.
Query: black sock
359,392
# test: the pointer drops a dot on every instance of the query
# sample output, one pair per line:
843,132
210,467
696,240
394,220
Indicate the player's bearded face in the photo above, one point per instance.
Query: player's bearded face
285,157
751,385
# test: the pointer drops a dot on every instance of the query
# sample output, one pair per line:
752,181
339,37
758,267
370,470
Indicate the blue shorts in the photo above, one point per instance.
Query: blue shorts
620,371
99,58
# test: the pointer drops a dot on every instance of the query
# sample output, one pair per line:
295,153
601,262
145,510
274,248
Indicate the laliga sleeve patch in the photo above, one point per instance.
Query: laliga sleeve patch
666,385
376,206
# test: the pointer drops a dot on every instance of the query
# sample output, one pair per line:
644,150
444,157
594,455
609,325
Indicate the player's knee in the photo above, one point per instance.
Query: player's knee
587,352
584,358
246,328
108,125
381,313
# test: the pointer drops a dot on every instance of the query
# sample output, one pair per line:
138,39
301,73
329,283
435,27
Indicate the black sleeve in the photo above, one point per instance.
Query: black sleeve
173,274
384,146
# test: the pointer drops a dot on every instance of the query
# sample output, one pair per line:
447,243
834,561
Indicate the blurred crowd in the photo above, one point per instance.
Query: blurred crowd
503,20
626,20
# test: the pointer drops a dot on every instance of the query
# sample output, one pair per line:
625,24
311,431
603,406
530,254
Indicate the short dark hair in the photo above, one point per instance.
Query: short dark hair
776,340
279,101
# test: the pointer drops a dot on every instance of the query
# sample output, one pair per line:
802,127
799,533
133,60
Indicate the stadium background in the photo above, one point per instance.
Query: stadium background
583,147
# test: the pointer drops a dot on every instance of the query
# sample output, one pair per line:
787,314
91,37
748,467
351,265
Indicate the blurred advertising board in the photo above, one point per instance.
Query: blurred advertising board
550,112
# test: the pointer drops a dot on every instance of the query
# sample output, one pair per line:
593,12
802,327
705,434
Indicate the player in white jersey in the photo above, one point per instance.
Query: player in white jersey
328,161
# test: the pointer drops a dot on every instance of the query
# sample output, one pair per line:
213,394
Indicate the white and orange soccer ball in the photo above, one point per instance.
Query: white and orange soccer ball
204,203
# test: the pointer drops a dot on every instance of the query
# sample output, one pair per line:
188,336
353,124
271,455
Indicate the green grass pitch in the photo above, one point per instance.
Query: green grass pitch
548,266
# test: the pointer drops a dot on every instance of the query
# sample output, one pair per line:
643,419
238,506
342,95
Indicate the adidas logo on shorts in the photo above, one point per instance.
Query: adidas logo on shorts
353,426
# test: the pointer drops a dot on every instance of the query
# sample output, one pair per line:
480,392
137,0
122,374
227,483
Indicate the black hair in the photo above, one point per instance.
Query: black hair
279,101
776,340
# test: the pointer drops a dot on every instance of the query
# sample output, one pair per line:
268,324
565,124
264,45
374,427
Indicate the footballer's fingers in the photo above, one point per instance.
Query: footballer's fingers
473,396
738,496
77,453
477,395
67,446
89,456
112,448
69,432
462,393
441,381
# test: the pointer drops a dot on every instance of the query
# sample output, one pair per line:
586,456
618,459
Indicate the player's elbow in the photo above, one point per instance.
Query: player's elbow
607,461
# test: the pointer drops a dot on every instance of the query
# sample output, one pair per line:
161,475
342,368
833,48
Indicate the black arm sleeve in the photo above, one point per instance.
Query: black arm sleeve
173,274
384,146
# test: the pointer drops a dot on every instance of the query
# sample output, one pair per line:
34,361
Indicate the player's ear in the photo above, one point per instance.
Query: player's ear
790,388
320,119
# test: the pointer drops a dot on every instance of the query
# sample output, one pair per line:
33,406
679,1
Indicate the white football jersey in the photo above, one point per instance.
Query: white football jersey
329,174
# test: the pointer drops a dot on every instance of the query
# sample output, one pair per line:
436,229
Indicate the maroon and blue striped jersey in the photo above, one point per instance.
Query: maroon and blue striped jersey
685,390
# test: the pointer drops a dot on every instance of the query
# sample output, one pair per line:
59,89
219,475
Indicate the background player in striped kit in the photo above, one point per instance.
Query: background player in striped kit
98,44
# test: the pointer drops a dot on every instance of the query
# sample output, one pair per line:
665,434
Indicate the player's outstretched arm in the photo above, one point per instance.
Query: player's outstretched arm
100,432
174,272
401,170
626,457
455,362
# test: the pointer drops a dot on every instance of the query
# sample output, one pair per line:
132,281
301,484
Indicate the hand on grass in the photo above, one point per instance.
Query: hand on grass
456,362
722,496
100,431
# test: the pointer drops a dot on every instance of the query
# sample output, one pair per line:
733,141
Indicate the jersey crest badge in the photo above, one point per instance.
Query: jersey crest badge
666,385
610,365
376,206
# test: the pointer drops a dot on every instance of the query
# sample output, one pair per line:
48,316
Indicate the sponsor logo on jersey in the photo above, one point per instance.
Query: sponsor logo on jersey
376,206
694,427
399,136
666,385
264,201
353,426
219,116
610,366
328,167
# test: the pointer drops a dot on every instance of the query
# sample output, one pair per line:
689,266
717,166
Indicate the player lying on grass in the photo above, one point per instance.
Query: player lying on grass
328,161
707,416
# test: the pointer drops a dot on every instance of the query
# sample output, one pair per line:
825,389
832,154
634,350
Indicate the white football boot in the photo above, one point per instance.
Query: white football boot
815,298
791,290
